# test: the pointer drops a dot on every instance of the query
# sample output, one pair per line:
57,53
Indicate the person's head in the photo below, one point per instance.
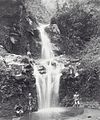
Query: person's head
70,66
29,94
76,92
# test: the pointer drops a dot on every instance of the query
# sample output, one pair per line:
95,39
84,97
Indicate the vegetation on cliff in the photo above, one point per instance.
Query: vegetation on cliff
77,23
18,35
18,28
78,37
74,32
16,82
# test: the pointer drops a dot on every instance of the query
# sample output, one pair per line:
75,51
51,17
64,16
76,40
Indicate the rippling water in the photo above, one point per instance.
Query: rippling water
47,114
44,114
51,114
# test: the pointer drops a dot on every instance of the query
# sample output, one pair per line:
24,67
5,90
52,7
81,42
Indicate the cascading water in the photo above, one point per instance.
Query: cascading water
48,82
47,52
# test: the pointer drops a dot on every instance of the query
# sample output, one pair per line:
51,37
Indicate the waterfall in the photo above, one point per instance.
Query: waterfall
47,73
47,52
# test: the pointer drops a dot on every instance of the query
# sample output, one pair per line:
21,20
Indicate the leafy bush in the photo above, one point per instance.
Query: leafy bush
15,85
16,32
77,25
87,84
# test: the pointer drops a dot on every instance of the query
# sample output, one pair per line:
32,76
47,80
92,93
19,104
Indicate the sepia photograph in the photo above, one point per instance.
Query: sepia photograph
49,60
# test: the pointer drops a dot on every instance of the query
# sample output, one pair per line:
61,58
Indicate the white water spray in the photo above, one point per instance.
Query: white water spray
47,52
48,82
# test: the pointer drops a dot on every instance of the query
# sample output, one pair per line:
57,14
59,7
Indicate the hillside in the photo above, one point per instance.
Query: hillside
74,31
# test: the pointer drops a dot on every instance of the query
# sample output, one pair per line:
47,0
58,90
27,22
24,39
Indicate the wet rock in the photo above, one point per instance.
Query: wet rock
55,28
42,70
89,116
25,60
91,105
98,118
3,52
75,111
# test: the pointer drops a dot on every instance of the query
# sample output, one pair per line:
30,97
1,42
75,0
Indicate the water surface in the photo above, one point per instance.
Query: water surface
47,114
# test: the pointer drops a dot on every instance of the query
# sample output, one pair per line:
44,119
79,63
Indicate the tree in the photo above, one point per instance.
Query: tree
77,25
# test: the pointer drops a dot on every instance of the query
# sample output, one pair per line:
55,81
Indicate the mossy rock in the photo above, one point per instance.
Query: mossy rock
75,111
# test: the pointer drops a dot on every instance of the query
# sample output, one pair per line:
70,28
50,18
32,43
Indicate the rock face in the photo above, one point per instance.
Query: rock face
18,28
16,82
18,36
87,84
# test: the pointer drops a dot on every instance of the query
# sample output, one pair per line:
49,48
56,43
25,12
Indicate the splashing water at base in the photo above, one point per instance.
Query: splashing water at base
46,114
48,82
52,110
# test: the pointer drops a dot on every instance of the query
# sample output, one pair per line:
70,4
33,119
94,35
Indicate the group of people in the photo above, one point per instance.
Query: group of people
19,108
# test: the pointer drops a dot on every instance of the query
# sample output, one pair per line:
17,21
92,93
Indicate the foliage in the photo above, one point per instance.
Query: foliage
15,85
38,10
77,25
87,84
16,32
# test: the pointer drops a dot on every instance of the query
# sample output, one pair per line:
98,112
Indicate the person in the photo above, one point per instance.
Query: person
29,54
76,99
71,71
28,50
18,110
30,102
